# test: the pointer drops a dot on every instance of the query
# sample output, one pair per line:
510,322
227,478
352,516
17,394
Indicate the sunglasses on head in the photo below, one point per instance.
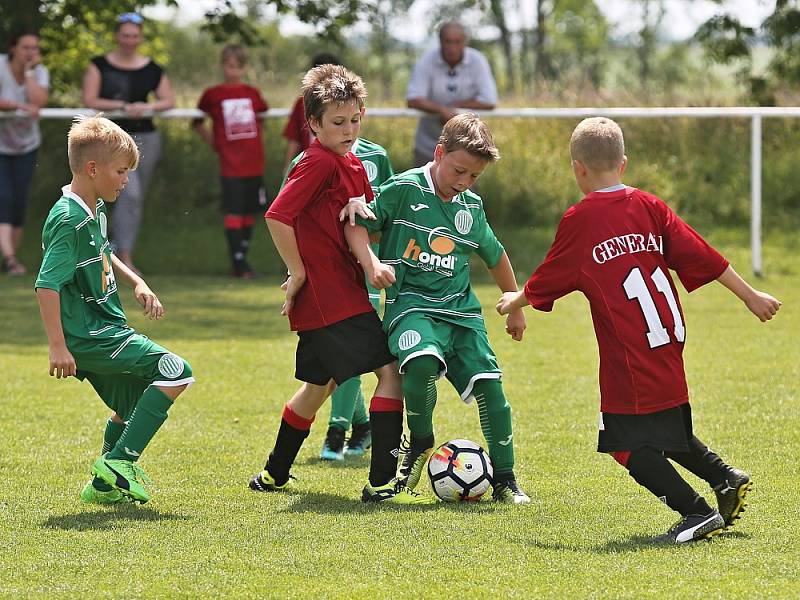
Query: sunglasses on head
130,17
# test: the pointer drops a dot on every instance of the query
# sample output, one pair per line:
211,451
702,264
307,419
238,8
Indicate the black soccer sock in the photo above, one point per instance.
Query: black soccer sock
386,424
702,462
651,469
233,234
246,234
293,431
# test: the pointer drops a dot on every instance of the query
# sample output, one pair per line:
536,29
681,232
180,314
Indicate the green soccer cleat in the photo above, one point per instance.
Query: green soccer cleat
509,492
692,528
123,475
730,495
91,495
360,440
413,465
333,446
393,493
264,482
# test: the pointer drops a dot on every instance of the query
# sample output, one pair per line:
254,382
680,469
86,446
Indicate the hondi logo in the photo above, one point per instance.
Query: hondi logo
440,246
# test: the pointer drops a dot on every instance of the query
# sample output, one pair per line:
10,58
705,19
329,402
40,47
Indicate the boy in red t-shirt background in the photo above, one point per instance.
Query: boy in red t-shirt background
339,333
234,108
617,246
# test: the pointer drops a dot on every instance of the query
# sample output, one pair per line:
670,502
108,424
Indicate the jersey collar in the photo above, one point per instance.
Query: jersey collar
67,192
613,188
426,170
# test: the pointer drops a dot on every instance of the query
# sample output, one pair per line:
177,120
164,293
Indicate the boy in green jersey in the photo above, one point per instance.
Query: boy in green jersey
87,332
430,224
347,402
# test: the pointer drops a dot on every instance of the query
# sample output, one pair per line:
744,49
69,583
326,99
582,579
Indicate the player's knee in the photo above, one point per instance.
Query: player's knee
422,367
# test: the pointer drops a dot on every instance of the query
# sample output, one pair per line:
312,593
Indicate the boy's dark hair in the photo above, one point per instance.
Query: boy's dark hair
467,132
330,84
234,51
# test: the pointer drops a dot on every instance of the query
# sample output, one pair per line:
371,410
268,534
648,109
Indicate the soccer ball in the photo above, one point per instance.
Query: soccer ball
460,471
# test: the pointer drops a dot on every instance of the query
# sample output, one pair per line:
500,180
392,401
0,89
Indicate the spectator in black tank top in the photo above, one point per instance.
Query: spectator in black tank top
123,80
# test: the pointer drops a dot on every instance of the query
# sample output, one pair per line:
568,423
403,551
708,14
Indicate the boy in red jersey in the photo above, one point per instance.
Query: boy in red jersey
340,334
617,246
234,107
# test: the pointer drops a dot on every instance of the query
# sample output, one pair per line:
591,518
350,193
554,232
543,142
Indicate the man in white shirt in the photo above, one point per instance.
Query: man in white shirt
445,79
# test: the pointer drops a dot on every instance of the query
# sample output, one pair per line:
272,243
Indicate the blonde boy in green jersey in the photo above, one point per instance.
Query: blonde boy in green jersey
430,224
87,332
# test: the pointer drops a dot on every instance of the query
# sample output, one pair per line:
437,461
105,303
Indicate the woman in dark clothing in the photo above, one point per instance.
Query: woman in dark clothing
123,80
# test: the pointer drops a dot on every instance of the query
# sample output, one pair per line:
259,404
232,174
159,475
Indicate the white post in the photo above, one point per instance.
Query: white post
755,193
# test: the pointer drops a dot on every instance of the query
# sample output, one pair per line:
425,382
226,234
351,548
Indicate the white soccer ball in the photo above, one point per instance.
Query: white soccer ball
460,471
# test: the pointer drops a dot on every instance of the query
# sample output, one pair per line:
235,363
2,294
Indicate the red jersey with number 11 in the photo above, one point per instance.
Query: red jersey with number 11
617,247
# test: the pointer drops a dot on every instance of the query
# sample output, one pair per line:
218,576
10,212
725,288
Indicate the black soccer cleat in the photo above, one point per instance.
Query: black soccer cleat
415,457
692,528
509,492
730,495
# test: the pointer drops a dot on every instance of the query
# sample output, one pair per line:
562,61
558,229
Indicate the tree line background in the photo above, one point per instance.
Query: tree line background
569,55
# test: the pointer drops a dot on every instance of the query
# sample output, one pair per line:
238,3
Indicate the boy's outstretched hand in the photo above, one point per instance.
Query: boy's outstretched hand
511,301
762,305
149,301
353,208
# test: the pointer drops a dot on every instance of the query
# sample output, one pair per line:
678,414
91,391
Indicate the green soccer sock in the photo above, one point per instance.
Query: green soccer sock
360,415
495,414
110,436
419,390
343,402
148,416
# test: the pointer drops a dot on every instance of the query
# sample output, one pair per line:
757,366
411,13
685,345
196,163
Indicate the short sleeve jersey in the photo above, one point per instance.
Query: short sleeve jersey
316,189
237,130
429,243
77,264
617,248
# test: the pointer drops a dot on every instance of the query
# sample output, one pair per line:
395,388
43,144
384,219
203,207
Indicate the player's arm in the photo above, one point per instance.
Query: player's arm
380,276
144,295
62,363
760,303
286,243
199,127
503,275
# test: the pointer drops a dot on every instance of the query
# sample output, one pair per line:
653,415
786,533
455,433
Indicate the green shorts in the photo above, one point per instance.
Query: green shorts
465,353
120,381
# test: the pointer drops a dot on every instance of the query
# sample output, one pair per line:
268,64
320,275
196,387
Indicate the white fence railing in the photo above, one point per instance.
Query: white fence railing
755,114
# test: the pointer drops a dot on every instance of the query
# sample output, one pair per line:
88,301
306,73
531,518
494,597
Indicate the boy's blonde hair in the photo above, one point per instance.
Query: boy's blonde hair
96,138
467,132
598,143
234,51
330,84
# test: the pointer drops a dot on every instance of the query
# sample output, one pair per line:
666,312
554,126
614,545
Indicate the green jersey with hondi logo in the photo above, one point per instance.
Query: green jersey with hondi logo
77,264
429,243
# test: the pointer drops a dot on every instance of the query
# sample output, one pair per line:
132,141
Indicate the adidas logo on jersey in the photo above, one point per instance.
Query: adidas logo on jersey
440,246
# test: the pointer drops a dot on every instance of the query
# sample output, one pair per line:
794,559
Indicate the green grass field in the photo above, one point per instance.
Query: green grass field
204,533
